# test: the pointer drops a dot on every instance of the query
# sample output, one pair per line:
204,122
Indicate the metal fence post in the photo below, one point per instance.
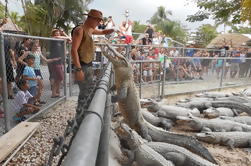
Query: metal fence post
177,70
163,79
222,73
4,84
65,71
223,70
70,74
140,79
159,81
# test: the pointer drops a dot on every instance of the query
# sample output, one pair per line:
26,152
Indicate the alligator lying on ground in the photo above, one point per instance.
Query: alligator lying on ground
178,155
139,152
213,94
221,111
239,119
231,139
171,111
239,107
157,121
237,99
199,124
199,104
129,106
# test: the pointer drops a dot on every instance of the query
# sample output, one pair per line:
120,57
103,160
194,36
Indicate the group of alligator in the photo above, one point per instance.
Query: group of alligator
144,132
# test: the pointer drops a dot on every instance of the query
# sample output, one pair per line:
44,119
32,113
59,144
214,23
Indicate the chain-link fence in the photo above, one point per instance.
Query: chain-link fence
33,76
160,71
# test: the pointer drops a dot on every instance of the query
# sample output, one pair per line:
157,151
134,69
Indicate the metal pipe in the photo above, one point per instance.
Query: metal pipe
4,84
84,148
164,79
103,155
32,37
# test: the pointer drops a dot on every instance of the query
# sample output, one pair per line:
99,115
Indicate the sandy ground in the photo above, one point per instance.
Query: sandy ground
222,154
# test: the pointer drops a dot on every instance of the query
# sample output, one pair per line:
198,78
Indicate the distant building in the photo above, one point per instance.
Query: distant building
230,39
10,27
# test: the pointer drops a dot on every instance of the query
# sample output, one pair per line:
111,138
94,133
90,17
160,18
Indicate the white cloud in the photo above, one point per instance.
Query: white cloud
140,10
143,10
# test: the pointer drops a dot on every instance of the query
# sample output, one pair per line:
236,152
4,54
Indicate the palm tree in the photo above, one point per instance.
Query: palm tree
15,17
43,15
160,15
1,10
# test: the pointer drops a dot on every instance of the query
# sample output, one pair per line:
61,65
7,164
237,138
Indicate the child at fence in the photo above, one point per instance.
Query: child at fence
30,75
23,102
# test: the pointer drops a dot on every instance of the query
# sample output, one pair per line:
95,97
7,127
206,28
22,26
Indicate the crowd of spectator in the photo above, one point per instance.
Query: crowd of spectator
189,63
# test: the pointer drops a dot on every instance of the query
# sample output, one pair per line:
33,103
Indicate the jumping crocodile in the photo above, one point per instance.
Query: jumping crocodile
239,119
178,155
139,151
127,97
199,124
171,111
231,139
130,108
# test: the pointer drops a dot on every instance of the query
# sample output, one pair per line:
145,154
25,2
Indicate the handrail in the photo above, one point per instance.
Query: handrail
84,148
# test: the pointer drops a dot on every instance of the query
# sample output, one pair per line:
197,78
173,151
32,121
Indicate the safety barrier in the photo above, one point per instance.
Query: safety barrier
47,80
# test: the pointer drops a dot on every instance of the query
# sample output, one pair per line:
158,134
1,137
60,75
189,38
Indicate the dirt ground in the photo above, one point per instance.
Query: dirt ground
223,155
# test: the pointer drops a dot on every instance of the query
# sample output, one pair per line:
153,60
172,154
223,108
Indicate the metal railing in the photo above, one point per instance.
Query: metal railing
216,68
88,135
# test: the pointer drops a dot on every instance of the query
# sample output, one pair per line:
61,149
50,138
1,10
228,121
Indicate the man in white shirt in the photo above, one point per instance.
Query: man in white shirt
109,25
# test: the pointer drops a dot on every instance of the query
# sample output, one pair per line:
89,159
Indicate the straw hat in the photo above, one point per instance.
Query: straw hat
95,14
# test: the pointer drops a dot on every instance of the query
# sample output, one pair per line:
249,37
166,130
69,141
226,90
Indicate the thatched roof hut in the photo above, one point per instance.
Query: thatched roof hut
231,39
10,26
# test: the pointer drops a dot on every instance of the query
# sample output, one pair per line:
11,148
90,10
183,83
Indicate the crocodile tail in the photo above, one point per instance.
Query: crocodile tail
188,142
